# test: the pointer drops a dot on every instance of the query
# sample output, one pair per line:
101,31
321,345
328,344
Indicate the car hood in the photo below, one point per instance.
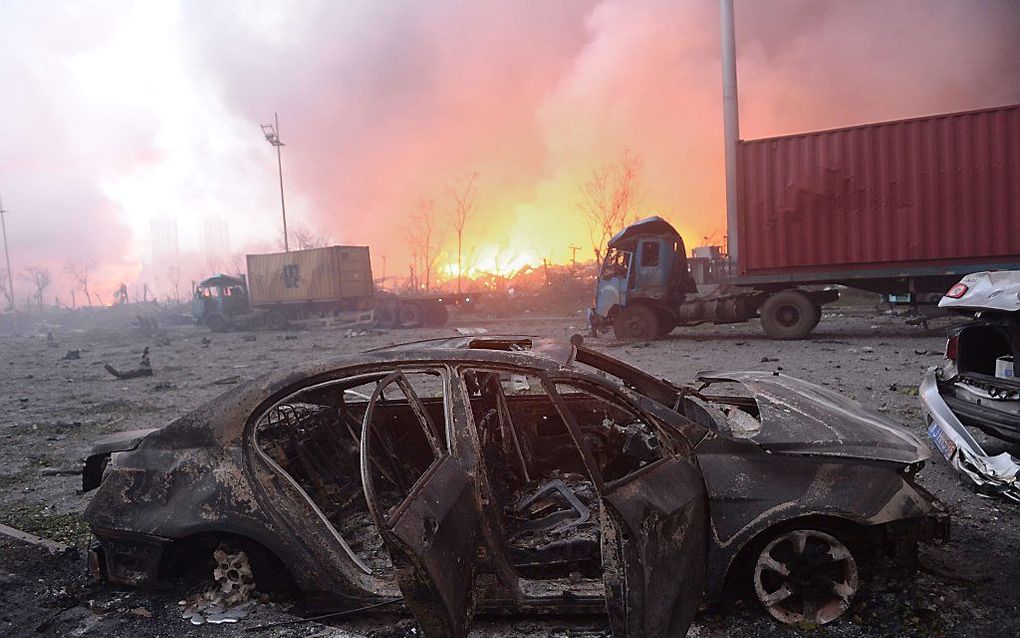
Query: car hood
798,417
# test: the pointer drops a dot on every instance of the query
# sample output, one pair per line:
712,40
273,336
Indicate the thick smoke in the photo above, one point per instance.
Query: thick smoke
118,115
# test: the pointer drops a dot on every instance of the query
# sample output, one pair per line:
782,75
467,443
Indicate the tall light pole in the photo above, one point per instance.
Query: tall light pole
272,133
731,123
10,275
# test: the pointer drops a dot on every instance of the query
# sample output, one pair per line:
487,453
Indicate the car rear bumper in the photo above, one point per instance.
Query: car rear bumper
991,474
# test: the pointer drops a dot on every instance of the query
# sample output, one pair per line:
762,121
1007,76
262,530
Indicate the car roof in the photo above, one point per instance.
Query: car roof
558,351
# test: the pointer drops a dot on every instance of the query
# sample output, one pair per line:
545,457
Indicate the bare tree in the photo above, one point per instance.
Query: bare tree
239,263
609,198
39,277
463,192
423,241
79,271
304,238
173,276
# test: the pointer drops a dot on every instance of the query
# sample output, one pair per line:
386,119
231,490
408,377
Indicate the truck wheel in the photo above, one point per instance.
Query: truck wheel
636,323
217,323
436,314
666,324
789,315
411,314
276,320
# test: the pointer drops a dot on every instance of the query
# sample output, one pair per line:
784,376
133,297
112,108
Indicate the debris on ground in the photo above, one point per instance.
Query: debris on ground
231,599
71,355
144,368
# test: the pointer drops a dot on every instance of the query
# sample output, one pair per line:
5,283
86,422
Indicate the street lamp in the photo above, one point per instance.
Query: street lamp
272,133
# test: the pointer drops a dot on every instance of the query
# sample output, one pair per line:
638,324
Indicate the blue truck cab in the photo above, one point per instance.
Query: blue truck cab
643,276
219,300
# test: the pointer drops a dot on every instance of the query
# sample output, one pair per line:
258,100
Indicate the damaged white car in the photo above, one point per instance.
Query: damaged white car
972,401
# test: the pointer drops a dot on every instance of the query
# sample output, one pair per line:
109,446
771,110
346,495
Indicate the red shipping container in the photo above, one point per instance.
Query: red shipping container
894,197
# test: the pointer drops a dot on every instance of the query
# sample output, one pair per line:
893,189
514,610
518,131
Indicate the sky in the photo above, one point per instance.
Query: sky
117,113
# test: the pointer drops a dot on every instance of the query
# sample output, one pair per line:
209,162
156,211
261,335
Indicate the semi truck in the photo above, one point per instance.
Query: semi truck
902,208
332,283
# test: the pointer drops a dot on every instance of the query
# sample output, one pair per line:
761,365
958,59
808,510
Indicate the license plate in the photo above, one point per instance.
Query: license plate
941,441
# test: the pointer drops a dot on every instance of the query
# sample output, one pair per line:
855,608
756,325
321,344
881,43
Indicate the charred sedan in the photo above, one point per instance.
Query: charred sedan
972,401
519,475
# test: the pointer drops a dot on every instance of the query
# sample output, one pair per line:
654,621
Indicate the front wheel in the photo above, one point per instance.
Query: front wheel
789,315
805,576
217,323
635,323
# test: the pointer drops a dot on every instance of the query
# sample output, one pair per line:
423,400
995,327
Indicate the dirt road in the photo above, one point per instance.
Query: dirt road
54,407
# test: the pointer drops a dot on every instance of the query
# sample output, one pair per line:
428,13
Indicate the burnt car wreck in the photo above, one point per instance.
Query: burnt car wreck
972,401
519,475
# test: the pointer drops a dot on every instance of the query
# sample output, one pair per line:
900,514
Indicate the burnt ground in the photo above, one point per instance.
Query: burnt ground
53,408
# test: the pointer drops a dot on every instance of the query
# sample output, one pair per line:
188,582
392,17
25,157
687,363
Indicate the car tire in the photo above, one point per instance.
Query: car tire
789,315
217,323
276,320
636,323
805,577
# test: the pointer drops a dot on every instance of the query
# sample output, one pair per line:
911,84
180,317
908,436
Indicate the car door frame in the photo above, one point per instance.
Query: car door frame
440,510
637,544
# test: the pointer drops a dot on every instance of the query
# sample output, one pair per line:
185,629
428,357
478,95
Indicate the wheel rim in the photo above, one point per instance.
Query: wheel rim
635,326
805,576
787,316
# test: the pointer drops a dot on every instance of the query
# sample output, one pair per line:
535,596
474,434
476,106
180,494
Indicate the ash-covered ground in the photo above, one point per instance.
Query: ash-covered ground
53,408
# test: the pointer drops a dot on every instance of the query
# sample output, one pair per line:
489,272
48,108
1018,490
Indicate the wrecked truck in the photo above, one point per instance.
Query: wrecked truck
972,401
519,475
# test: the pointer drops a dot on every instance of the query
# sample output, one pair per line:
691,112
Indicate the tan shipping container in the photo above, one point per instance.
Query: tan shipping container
335,273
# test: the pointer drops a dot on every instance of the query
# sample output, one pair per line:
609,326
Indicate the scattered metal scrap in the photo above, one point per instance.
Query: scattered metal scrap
144,368
54,547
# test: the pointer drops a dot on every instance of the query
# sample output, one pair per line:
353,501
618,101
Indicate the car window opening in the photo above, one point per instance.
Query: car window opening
314,437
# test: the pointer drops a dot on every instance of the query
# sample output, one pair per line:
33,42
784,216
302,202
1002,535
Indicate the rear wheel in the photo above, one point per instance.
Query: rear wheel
411,314
276,320
436,314
666,324
789,314
805,576
636,323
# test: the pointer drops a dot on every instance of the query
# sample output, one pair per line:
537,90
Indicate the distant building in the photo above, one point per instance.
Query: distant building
216,237
165,248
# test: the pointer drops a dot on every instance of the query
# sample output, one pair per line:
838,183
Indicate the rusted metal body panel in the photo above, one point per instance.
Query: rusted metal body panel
907,197
331,274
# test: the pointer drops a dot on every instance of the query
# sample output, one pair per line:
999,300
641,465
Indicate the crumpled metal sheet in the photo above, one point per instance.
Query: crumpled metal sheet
992,475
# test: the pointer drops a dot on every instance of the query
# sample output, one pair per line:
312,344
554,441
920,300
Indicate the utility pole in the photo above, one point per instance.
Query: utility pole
573,254
272,133
731,123
10,275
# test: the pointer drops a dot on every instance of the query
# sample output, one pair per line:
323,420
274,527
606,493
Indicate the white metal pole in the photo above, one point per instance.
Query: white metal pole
10,275
731,124
279,166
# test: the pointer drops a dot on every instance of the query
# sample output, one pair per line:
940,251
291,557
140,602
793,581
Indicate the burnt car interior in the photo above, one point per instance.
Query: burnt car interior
314,437
545,508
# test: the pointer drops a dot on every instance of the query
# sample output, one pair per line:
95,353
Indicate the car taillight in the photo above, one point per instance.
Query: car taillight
952,347
957,291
